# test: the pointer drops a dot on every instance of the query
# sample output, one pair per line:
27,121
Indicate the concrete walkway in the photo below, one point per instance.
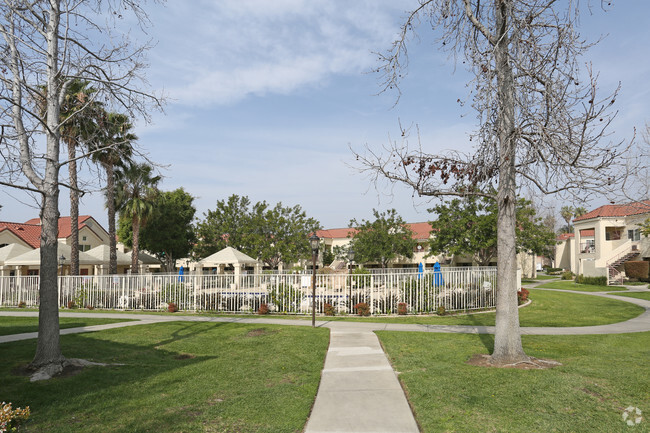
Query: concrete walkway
359,390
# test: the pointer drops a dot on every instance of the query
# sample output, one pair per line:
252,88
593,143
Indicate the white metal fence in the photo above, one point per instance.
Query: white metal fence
452,288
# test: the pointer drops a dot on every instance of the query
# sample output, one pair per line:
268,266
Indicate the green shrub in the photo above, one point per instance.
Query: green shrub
567,275
594,281
637,269
549,270
441,310
22,304
284,297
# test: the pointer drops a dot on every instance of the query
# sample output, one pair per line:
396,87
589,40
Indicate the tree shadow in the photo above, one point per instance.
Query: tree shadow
486,339
94,392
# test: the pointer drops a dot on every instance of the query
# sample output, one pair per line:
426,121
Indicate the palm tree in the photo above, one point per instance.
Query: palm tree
135,195
567,213
77,126
113,148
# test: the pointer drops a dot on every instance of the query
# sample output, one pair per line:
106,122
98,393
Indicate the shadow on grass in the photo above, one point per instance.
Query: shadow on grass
486,339
98,396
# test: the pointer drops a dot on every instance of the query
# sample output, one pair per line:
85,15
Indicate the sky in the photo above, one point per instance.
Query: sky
266,100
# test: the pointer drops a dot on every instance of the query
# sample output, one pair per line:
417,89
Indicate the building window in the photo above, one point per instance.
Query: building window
84,247
613,233
634,235
588,246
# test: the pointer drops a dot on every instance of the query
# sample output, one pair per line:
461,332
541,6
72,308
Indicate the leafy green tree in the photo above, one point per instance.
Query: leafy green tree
469,227
645,227
168,234
227,225
270,234
280,234
382,240
135,196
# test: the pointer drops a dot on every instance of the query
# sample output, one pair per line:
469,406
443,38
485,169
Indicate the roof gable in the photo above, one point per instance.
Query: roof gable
30,231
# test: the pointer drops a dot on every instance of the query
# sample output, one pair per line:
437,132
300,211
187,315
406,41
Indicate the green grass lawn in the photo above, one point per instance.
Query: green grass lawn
639,295
599,378
18,325
176,377
547,309
570,285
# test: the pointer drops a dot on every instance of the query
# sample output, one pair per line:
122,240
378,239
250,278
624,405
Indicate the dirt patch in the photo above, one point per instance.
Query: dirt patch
259,332
182,356
482,360
286,379
593,394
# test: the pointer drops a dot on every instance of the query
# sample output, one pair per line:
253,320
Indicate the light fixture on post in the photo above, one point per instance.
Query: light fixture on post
314,241
61,263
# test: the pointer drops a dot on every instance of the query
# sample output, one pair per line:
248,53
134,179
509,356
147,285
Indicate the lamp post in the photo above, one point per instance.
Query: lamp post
61,262
350,259
313,241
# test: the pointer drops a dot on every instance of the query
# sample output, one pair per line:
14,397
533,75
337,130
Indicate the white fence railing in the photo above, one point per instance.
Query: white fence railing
452,288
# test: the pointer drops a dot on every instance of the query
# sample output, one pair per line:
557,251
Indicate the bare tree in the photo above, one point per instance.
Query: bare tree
541,122
46,46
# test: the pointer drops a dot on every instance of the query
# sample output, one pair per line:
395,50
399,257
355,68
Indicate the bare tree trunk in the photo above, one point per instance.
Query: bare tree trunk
74,210
507,338
136,246
110,205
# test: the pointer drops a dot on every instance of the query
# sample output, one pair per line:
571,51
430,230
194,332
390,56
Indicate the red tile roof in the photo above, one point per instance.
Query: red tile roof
336,233
565,236
420,231
617,210
30,231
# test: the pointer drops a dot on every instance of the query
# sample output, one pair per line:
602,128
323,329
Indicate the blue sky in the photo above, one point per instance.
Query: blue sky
265,99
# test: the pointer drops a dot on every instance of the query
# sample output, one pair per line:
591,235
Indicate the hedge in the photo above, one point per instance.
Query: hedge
637,269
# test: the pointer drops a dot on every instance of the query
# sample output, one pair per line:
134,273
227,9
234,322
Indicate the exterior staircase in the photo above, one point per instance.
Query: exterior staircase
614,273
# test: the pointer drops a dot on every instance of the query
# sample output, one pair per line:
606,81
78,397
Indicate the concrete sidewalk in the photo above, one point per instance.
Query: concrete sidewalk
359,391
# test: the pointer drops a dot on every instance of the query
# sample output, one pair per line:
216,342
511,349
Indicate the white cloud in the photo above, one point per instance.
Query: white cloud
230,50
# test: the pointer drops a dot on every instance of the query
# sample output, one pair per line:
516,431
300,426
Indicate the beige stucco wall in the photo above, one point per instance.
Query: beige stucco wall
7,237
564,254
